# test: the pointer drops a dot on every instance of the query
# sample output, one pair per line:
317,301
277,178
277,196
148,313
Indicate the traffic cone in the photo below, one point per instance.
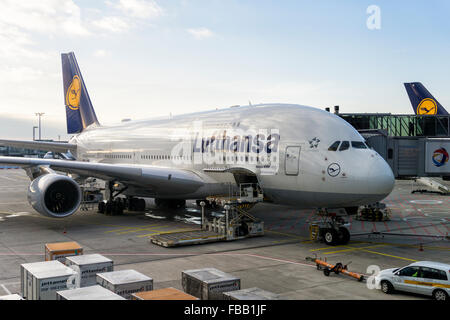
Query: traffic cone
64,231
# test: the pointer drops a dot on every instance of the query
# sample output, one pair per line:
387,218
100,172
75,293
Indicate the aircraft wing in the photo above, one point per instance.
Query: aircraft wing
157,179
40,145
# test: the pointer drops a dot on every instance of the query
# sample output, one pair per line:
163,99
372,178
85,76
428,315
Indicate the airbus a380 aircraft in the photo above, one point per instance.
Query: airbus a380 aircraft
298,155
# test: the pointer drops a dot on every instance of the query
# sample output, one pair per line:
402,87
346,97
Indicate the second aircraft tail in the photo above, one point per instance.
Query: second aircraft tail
422,101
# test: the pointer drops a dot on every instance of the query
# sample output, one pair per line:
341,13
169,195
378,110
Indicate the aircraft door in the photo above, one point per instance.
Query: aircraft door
292,159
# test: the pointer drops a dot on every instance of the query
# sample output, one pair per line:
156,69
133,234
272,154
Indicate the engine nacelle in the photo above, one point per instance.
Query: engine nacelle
54,195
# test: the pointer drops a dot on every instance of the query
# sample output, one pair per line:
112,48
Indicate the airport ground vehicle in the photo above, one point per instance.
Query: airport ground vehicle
422,277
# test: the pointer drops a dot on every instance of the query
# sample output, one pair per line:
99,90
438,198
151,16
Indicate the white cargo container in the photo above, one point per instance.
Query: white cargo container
41,280
125,282
89,265
251,294
11,297
96,292
208,283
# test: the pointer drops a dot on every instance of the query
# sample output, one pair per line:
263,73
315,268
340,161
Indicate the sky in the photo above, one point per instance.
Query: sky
150,58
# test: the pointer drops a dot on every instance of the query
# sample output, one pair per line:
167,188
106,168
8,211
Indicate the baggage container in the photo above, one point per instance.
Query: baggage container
125,282
11,297
96,292
41,280
208,283
250,294
163,294
88,266
60,250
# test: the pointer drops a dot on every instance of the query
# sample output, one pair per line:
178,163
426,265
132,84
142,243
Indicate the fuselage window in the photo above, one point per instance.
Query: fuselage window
344,146
334,146
359,145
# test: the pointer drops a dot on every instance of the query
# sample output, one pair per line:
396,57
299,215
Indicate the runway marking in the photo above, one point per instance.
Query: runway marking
6,289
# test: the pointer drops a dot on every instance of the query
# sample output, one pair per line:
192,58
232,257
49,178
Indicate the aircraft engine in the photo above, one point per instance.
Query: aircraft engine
54,195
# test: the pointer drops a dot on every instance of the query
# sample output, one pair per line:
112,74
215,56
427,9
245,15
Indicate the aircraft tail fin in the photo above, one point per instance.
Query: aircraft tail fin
79,110
422,101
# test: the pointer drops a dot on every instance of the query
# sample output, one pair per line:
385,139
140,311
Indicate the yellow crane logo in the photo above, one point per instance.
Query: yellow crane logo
73,94
427,107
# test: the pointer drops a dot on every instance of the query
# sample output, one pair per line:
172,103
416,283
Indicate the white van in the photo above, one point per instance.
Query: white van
423,277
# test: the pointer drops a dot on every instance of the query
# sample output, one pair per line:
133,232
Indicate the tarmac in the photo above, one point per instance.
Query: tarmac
418,230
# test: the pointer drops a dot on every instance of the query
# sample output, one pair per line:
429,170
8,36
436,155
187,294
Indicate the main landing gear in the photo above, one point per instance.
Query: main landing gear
329,228
170,203
115,205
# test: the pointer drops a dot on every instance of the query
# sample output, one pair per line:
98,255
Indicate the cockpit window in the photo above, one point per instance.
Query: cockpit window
344,146
359,145
334,146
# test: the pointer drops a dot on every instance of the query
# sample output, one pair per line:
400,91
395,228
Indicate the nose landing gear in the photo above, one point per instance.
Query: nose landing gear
329,227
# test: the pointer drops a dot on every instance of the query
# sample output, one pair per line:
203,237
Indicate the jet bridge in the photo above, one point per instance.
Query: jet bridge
413,145
411,157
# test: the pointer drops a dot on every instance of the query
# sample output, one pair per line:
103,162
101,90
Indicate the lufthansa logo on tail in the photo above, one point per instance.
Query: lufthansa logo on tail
427,106
73,94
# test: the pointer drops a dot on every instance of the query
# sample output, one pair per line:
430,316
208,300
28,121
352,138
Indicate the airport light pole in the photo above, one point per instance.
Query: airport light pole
34,135
39,114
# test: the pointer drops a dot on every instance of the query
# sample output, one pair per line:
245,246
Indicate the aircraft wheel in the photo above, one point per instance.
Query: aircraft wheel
330,237
344,235
117,207
326,272
140,204
109,207
101,207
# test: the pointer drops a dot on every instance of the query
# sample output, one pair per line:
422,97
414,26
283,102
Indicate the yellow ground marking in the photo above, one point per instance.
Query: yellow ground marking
144,229
286,235
341,246
282,241
355,248
166,232
389,255
131,228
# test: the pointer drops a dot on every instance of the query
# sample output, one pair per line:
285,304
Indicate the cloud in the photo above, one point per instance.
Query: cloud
141,9
112,24
100,53
201,33
49,17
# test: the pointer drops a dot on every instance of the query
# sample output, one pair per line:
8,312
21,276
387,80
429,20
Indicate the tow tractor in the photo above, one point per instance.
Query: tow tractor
337,268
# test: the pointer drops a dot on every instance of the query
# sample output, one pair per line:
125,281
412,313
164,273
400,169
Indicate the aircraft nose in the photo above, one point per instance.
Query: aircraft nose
381,178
